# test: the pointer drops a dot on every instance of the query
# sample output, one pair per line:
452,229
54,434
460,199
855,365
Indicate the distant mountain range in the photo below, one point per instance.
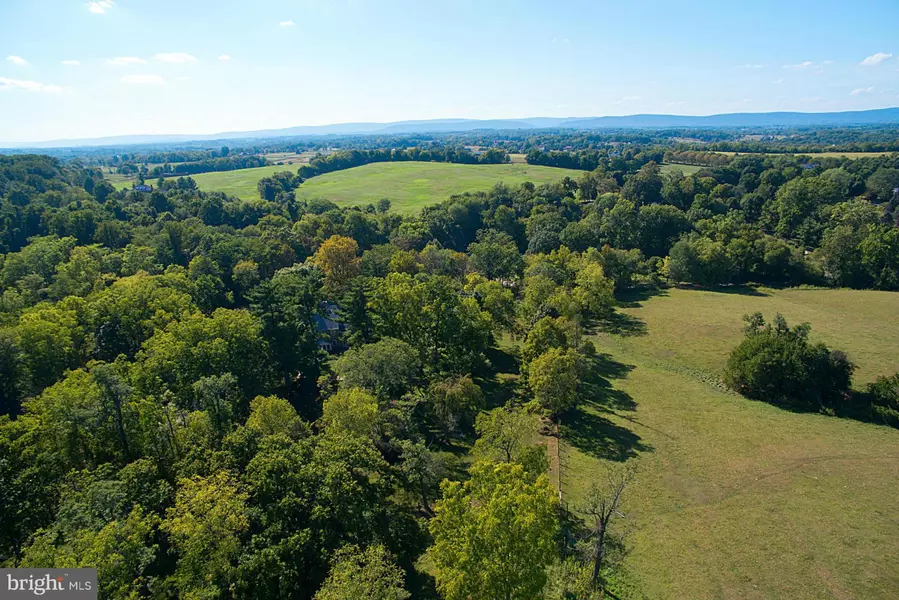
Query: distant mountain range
883,116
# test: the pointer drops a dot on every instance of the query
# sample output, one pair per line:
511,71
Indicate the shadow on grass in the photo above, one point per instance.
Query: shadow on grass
736,290
601,438
634,298
596,389
622,324
499,381
590,432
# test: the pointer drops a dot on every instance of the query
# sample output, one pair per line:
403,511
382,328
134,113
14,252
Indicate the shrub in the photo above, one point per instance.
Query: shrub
778,364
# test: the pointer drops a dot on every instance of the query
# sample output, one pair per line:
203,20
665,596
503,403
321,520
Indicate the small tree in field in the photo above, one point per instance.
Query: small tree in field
779,364
602,507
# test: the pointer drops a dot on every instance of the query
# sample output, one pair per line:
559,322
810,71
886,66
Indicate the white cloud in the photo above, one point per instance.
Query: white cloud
17,60
71,63
28,86
286,24
175,57
875,59
628,99
100,6
225,57
143,80
809,66
122,61
861,91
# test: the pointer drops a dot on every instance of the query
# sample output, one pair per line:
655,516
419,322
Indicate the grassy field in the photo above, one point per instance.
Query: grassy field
412,185
409,185
685,169
736,498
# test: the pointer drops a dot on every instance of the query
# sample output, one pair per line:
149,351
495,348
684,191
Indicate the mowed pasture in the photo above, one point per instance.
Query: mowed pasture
736,498
412,185
408,185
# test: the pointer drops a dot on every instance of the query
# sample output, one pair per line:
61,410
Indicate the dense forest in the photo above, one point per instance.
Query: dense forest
208,397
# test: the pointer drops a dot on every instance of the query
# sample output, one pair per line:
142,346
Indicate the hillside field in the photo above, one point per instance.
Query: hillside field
412,185
409,185
736,498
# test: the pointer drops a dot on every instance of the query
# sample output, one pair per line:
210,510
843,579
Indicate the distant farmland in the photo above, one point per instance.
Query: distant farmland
812,154
408,185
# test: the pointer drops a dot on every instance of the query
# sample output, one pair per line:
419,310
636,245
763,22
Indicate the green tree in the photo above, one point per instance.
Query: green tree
553,379
496,255
352,411
594,291
228,341
504,435
388,368
205,527
454,402
778,364
270,415
882,183
370,574
494,534
121,551
286,305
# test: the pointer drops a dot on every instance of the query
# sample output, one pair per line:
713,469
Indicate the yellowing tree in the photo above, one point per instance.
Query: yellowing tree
337,257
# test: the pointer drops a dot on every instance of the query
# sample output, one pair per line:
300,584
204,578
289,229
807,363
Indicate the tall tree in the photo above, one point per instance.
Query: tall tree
494,534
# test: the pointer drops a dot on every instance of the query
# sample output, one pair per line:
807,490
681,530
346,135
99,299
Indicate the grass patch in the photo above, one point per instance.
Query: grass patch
737,498
685,169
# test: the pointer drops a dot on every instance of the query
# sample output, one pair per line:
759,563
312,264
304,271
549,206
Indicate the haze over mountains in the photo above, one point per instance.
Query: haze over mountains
771,119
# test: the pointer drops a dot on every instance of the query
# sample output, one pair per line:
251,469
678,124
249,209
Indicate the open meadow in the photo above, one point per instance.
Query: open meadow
736,498
408,185
412,185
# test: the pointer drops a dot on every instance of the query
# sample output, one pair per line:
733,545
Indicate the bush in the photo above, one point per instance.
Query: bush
778,364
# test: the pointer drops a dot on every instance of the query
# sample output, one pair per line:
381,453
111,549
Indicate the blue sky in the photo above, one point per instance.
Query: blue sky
70,68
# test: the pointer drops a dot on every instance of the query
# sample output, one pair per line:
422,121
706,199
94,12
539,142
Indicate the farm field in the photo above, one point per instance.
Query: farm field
288,158
409,185
736,498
